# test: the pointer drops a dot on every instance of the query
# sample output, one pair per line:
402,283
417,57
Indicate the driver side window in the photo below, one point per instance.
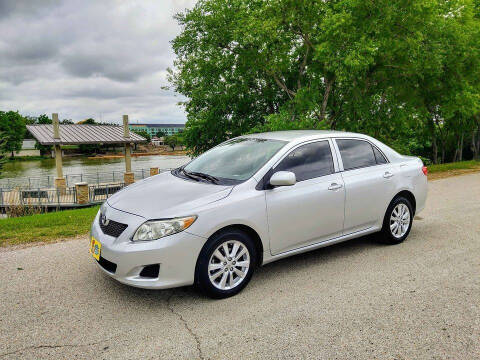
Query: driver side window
309,161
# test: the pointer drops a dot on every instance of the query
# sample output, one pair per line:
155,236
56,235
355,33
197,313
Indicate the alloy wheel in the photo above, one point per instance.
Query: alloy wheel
399,220
229,264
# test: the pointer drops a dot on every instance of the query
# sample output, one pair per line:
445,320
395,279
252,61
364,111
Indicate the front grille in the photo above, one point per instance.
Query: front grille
113,228
107,265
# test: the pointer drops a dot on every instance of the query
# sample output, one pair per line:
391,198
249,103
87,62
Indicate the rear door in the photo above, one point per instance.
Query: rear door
369,185
311,210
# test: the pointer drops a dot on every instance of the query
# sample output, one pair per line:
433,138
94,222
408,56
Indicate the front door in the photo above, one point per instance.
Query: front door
312,210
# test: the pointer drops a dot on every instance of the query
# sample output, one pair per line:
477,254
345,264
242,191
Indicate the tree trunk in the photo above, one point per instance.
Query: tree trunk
434,148
476,143
443,151
328,89
460,150
457,156
431,126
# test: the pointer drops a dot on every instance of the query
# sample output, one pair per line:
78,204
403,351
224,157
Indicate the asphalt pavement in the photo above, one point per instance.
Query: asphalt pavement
356,300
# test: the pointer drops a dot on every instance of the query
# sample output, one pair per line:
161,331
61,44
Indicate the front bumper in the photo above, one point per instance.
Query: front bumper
176,254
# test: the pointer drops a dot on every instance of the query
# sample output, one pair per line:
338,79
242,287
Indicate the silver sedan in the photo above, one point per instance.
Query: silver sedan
252,200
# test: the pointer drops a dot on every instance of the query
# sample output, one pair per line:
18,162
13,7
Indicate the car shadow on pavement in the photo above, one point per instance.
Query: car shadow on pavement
276,271
320,256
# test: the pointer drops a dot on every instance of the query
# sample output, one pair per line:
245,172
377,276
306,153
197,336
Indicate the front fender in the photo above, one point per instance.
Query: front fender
240,208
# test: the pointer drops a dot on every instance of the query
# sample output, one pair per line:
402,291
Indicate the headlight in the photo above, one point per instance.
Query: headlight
156,229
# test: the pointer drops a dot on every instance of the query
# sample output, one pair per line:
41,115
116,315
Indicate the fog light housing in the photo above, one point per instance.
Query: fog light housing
150,271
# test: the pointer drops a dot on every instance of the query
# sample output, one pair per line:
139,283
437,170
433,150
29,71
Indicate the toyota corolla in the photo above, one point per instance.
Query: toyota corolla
252,200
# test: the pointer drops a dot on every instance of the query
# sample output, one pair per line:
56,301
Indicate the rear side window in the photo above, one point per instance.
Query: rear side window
379,156
356,153
309,161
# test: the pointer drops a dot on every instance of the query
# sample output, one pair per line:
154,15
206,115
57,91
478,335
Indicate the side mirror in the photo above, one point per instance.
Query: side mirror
283,178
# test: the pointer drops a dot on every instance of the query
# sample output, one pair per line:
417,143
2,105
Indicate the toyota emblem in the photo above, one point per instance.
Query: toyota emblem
104,220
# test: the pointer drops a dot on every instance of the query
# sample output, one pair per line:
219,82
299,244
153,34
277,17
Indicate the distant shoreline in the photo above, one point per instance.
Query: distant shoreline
119,156
99,156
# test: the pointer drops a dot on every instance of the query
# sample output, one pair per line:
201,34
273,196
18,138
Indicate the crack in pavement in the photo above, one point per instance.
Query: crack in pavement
185,324
35,347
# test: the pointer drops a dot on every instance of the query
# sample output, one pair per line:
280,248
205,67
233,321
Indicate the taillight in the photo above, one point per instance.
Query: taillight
425,170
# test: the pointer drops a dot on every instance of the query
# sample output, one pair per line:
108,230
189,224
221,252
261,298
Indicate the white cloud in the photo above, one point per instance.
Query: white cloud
84,59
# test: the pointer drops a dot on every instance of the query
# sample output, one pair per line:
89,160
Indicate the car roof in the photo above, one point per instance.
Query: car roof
296,135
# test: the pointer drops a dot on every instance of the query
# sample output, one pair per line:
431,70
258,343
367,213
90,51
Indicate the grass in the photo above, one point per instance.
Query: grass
46,227
461,165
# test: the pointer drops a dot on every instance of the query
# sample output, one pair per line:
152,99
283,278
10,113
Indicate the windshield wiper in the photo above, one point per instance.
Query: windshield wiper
208,177
190,175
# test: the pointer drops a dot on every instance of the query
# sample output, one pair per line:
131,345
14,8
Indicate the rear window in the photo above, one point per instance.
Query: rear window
379,156
356,153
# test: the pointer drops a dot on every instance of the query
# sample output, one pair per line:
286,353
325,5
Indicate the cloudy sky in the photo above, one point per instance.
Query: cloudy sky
84,59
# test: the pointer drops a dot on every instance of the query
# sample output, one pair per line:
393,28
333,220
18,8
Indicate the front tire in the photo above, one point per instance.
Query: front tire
397,222
226,264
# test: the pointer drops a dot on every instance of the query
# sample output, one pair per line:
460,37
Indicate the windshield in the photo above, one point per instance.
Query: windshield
237,159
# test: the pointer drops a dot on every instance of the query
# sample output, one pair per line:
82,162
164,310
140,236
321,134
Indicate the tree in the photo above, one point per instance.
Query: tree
89,148
447,80
143,133
88,121
43,120
12,128
3,150
160,133
385,68
29,120
173,141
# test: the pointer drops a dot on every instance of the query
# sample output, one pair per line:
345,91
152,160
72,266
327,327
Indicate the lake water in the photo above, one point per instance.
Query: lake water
84,165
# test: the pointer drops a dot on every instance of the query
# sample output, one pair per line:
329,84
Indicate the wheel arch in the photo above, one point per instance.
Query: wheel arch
246,229
409,196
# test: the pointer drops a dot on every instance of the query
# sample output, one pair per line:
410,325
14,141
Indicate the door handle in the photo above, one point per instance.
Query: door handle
335,186
387,175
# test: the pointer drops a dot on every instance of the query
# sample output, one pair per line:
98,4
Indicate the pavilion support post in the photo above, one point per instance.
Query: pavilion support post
128,177
60,182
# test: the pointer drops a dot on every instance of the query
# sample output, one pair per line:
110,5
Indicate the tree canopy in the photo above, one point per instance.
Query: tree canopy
145,134
12,129
160,133
3,150
174,140
406,72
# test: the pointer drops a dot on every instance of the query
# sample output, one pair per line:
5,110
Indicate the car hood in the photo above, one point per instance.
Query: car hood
166,196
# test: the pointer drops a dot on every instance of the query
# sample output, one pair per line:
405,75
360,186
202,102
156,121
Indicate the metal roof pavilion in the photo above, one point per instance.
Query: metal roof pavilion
83,134
58,135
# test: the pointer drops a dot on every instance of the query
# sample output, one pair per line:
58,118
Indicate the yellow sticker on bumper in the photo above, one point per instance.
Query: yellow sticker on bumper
95,248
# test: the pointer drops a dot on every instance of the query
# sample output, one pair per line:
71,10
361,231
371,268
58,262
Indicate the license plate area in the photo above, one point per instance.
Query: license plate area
95,248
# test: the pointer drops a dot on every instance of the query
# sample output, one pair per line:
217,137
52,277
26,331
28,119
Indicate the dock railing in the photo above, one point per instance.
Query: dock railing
37,197
48,181
81,190
56,197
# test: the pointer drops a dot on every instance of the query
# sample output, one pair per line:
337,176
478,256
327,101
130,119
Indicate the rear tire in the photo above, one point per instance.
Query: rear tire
397,222
225,264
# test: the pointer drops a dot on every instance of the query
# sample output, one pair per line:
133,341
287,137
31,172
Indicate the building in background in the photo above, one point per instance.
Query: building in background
153,129
158,141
